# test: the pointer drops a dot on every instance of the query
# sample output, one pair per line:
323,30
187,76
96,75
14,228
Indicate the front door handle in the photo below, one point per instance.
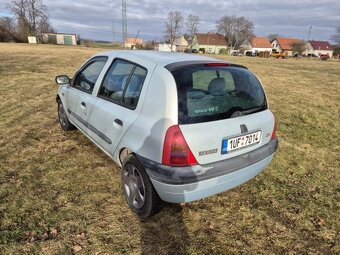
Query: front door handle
119,122
83,104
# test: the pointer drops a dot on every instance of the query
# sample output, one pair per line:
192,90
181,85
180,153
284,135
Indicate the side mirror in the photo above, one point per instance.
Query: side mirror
62,79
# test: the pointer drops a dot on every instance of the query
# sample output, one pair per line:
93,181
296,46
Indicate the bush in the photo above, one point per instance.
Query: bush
224,51
202,50
336,50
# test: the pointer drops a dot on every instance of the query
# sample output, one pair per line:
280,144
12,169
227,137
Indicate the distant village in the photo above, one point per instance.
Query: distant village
214,43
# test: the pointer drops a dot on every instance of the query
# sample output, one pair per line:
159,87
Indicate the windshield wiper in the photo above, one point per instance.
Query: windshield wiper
246,112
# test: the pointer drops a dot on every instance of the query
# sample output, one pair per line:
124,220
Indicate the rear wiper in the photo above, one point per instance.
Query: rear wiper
246,112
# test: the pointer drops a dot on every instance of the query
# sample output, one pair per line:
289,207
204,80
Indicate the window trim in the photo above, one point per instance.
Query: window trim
121,103
89,62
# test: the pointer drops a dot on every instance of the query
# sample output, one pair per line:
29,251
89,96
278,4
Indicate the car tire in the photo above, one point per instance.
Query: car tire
138,190
64,122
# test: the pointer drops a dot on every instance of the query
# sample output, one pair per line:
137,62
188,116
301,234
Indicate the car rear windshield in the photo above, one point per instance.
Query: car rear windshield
209,93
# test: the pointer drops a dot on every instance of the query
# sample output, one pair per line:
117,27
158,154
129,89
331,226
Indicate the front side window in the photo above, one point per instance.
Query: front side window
87,77
123,83
208,93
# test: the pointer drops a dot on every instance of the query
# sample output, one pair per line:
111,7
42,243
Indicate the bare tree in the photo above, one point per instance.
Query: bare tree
336,36
299,47
31,17
7,23
235,29
173,26
7,29
192,25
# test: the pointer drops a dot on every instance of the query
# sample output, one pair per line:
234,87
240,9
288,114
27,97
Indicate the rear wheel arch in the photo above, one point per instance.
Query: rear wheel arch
137,188
124,152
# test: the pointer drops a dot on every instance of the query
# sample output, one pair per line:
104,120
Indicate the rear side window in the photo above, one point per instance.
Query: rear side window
208,93
123,83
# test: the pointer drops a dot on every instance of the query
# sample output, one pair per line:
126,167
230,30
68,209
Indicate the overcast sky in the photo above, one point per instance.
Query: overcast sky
96,19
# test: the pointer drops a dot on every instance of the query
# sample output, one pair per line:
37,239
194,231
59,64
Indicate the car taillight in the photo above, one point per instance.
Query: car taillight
176,151
274,129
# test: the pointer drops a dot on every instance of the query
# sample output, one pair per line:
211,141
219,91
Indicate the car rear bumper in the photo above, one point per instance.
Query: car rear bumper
186,184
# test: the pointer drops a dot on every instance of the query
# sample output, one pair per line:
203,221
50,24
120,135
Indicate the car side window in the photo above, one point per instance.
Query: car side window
134,87
123,83
87,77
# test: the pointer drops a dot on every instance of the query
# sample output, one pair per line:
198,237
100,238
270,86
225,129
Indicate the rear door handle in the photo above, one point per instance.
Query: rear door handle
83,104
119,122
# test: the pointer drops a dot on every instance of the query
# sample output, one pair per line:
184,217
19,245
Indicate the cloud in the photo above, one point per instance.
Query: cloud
97,20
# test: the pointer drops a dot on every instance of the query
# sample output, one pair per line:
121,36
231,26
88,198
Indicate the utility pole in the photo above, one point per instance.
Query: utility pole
113,23
124,21
134,43
208,44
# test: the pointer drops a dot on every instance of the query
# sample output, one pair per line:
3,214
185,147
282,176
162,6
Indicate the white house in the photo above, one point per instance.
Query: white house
210,42
319,47
165,47
280,44
181,44
257,44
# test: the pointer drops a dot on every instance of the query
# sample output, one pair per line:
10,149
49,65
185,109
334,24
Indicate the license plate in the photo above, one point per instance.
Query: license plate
235,143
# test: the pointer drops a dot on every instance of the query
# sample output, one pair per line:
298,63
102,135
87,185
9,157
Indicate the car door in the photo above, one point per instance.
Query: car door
116,105
79,93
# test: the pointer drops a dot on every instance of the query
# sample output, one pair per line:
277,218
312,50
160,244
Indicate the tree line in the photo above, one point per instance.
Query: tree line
235,29
30,18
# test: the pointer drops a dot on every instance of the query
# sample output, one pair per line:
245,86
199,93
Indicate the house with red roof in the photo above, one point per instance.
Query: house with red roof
210,42
133,43
256,45
318,48
280,44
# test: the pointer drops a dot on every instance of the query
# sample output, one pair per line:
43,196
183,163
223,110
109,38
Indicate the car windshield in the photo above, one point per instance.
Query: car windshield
208,93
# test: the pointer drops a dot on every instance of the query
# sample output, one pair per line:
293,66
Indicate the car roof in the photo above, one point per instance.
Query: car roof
159,57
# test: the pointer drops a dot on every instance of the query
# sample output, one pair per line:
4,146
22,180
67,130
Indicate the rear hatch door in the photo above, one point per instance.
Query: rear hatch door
222,111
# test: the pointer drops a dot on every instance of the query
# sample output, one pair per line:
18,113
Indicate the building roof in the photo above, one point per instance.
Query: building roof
134,40
287,43
211,39
161,58
321,45
260,42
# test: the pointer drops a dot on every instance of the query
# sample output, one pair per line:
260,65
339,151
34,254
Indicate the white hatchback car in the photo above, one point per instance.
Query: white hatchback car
182,127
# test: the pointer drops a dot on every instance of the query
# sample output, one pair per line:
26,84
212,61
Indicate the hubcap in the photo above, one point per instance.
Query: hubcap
133,186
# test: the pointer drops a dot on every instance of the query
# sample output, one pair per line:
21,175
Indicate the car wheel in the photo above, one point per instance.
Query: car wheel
138,190
65,124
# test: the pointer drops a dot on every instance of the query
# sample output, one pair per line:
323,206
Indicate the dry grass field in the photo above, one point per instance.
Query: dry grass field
59,194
